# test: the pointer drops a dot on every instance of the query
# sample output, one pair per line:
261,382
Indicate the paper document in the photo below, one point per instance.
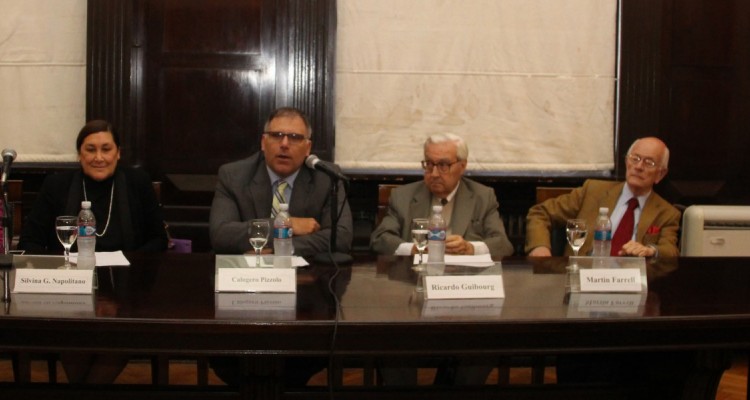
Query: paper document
105,258
482,260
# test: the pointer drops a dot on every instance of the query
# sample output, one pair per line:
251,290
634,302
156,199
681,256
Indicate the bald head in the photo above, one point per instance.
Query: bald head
647,163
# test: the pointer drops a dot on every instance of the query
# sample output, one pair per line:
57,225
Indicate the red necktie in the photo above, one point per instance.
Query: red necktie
624,231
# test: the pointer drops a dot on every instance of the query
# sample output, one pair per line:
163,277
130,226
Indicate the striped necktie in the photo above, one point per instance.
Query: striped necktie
278,197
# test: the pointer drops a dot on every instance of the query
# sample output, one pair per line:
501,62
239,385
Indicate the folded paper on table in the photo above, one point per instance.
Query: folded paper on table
105,258
481,260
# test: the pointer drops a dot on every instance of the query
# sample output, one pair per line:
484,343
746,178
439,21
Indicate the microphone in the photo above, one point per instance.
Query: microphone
312,161
8,156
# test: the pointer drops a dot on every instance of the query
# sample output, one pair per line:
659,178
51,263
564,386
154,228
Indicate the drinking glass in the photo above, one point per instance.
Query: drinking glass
66,227
575,230
419,232
259,230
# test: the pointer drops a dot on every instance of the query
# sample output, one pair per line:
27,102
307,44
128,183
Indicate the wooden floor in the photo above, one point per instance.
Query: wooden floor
733,384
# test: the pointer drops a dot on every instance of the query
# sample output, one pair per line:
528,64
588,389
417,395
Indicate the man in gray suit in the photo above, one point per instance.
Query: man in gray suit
474,227
245,191
470,208
246,188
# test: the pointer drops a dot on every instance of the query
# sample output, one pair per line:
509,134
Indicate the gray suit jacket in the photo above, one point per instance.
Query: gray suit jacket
244,192
475,217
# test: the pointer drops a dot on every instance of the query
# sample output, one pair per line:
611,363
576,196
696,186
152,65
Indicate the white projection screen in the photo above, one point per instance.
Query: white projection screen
530,84
43,77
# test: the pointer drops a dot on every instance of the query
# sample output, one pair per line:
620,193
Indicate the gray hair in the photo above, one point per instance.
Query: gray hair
462,150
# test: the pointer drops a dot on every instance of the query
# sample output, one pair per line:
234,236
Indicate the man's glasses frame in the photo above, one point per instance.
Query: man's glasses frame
635,159
442,167
295,138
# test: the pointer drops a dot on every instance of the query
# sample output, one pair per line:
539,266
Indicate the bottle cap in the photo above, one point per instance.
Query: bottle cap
603,210
85,204
283,206
437,208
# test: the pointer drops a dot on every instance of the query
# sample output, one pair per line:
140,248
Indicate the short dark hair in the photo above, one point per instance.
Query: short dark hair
289,112
96,126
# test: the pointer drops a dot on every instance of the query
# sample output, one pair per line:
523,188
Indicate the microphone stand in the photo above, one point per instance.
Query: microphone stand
334,257
6,259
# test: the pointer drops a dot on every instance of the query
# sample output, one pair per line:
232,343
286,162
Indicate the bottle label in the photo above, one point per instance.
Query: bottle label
436,234
602,235
282,233
86,230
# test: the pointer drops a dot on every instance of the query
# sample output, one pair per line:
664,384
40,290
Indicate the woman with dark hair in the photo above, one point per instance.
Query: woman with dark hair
128,216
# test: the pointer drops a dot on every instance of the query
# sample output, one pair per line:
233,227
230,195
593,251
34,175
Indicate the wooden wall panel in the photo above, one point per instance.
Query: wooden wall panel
203,66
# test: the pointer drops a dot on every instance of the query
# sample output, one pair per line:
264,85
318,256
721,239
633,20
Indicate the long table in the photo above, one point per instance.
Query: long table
165,304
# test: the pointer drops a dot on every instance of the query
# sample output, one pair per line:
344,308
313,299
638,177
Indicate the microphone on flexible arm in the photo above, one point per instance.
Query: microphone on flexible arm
8,156
331,257
312,161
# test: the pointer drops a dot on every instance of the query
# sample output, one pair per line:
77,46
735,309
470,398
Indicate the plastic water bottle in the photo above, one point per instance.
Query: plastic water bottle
602,234
283,247
436,237
86,237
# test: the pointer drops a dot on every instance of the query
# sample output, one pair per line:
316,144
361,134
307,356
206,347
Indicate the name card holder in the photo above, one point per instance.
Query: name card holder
462,308
270,306
609,275
43,280
464,287
593,305
53,305
269,280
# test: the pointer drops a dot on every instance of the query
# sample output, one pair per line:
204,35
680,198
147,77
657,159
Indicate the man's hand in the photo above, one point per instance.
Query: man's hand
540,251
455,244
304,226
633,248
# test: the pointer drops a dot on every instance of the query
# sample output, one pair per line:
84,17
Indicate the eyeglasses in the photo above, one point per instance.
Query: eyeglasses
442,167
635,159
293,138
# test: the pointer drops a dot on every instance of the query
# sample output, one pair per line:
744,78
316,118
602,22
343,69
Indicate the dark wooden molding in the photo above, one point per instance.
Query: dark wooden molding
307,45
108,72
640,74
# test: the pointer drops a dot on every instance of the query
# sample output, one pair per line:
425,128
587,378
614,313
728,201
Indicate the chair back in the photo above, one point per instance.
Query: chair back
384,195
557,238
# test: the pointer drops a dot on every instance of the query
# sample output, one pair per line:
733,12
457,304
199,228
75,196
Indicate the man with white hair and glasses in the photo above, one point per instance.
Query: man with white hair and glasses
470,209
647,223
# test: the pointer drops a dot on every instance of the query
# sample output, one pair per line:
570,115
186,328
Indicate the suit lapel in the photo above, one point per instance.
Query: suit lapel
260,192
648,216
611,197
463,208
300,192
421,204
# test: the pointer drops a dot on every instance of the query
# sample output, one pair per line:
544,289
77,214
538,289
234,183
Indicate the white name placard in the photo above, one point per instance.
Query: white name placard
464,287
29,280
275,280
611,280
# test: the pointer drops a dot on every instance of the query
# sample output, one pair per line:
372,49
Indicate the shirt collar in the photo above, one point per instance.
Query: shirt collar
627,194
275,178
451,195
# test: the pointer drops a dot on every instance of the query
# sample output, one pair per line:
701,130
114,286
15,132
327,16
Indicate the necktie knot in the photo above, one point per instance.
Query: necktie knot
278,196
632,203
